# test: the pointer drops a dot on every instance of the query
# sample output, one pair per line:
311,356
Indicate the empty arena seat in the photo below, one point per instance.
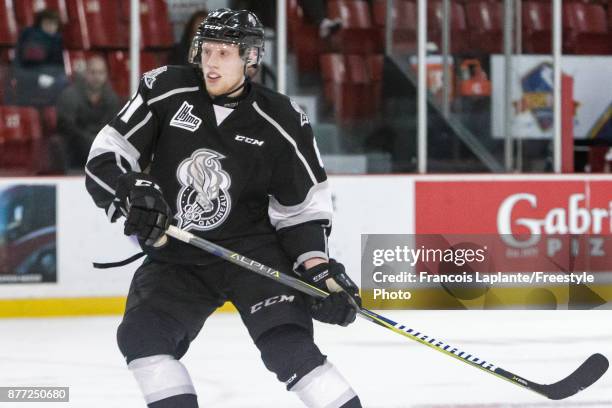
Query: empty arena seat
537,26
8,24
375,65
347,86
357,35
587,28
7,55
155,27
459,34
20,138
3,81
119,69
96,24
49,119
303,39
25,10
404,21
485,23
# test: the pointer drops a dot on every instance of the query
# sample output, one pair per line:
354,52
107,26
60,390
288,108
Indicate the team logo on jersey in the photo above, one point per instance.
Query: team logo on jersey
204,201
151,76
184,119
303,117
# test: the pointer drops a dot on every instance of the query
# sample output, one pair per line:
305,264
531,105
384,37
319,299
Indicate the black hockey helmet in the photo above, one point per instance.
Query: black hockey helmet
240,27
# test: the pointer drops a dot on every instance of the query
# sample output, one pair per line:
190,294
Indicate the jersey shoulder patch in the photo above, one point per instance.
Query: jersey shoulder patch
303,117
150,76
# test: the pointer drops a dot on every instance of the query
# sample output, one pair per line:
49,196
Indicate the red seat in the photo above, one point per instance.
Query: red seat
20,138
537,26
3,79
588,29
96,24
404,21
119,69
357,35
347,86
8,24
155,27
303,38
459,34
485,22
7,55
375,64
25,10
49,119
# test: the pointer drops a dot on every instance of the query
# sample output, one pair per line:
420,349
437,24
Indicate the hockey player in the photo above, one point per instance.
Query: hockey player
203,148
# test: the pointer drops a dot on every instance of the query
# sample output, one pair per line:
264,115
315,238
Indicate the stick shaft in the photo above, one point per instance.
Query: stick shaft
382,321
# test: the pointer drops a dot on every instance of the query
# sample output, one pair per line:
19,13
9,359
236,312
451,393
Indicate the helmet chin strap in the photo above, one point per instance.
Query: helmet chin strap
227,94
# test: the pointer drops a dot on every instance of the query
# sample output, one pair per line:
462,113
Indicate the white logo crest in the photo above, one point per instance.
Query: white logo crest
303,117
184,119
204,201
151,76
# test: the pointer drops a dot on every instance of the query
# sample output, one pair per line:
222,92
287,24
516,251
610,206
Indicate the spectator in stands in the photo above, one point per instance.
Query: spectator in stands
83,109
180,51
39,65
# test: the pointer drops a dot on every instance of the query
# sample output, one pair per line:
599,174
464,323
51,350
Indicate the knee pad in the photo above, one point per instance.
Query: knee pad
289,352
144,333
160,377
325,387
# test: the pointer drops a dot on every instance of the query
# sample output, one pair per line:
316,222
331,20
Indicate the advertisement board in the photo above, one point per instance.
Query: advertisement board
532,94
28,251
556,230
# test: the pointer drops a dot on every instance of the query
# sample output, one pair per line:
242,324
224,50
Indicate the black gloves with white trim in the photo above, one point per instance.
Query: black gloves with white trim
148,214
341,306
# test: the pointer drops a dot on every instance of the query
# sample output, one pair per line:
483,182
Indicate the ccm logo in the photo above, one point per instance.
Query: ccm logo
146,183
271,301
249,140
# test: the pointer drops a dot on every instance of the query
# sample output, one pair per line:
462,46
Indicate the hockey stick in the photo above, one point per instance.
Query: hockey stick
589,372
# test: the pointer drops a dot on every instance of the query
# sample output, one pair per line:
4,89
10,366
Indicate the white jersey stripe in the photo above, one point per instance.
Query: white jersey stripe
289,139
133,106
172,92
138,126
111,211
109,140
316,206
118,160
99,182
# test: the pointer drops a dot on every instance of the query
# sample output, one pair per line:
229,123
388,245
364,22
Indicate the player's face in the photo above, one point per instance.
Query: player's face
222,66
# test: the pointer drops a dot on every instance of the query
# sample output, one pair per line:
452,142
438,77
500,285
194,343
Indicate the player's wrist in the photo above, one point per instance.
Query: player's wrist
130,183
312,262
147,213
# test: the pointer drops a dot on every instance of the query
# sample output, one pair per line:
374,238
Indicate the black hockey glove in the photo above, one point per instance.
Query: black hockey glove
341,306
148,213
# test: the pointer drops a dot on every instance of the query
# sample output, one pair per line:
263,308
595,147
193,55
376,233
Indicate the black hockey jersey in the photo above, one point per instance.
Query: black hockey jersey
254,179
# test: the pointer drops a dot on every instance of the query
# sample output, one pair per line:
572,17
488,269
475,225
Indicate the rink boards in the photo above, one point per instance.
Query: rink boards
480,204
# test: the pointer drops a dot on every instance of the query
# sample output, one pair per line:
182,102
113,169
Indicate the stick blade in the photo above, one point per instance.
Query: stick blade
585,375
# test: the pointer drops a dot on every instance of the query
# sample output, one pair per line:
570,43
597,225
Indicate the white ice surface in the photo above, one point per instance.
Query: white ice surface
385,369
